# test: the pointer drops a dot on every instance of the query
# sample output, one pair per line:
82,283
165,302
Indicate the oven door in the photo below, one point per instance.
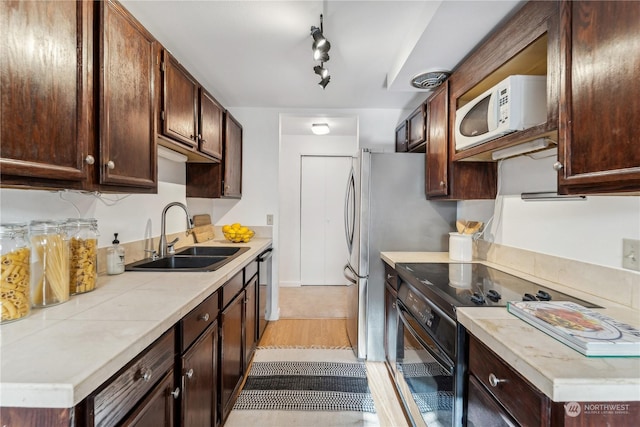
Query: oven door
424,374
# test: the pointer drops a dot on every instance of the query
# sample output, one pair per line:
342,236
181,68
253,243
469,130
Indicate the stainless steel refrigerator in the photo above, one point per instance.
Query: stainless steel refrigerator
385,210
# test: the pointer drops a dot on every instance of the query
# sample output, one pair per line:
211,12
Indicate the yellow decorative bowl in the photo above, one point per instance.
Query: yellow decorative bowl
237,233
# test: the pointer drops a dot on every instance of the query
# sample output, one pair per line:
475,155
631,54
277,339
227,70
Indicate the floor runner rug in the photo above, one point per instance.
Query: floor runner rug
304,387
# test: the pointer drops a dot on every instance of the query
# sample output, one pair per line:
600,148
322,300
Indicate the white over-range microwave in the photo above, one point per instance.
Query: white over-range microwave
516,103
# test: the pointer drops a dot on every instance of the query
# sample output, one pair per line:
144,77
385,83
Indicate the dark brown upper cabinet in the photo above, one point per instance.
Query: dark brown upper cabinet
179,102
232,162
45,85
416,135
78,112
211,125
192,119
437,157
223,179
401,137
525,44
598,150
127,136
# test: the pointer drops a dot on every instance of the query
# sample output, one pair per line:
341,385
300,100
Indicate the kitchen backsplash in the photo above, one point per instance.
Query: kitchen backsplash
620,286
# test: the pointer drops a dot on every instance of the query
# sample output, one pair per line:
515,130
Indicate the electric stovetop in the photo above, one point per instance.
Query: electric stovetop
470,284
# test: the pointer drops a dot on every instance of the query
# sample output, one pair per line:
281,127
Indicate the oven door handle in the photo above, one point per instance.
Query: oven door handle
441,357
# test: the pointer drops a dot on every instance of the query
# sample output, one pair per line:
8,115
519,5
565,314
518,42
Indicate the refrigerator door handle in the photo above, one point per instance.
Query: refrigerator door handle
350,210
355,275
350,278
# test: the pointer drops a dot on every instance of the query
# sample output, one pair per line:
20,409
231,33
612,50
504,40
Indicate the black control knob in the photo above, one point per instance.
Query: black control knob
543,296
478,299
529,297
493,295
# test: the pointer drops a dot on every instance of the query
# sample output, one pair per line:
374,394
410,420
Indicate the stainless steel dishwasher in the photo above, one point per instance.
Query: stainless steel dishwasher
264,290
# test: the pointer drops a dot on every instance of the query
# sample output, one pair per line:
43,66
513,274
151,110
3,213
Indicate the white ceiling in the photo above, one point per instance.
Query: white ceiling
258,53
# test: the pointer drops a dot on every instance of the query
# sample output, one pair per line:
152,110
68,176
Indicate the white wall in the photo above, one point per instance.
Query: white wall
590,231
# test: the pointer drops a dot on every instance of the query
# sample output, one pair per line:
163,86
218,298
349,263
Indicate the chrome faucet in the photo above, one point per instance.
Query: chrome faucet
162,250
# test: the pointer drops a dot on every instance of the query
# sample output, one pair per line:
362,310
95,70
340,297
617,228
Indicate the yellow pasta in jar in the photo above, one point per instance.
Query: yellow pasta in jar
14,284
83,271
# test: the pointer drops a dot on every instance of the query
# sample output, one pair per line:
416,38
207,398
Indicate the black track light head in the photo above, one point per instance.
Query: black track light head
325,81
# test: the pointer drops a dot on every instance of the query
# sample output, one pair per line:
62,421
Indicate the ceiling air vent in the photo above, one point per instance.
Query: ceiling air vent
430,80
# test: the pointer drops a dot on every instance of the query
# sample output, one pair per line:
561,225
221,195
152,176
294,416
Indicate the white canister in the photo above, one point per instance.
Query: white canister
460,246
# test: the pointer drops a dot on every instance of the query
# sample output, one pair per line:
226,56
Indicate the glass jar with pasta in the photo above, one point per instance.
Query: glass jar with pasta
83,254
49,263
14,271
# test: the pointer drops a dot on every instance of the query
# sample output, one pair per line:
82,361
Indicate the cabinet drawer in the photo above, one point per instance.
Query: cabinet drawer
522,400
231,289
123,392
199,319
250,271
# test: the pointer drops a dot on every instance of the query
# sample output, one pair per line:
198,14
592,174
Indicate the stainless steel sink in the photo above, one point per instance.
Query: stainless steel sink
212,250
193,258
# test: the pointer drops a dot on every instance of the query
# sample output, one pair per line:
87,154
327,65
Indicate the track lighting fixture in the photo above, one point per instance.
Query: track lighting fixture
320,49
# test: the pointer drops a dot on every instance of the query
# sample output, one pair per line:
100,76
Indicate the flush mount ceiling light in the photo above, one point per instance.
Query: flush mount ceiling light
320,128
320,49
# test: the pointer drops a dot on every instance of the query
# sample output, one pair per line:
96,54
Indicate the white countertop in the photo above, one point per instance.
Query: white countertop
58,355
561,373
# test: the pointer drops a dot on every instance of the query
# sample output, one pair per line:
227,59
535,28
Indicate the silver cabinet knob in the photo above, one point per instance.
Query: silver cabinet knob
389,276
175,393
189,373
145,374
89,159
111,165
204,317
557,166
494,381
442,184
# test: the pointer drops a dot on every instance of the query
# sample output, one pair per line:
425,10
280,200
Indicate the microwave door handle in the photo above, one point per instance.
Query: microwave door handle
492,112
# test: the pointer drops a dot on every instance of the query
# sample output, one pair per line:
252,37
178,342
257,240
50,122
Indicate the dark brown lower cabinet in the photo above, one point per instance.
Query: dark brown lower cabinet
250,327
231,349
157,408
199,381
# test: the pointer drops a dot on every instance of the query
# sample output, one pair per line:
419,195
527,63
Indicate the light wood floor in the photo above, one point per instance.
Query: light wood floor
306,333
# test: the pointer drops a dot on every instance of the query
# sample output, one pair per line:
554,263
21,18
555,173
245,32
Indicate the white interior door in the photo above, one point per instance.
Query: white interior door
323,249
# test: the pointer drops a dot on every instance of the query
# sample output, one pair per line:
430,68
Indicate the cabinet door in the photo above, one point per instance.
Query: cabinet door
156,410
127,113
180,103
416,129
44,91
600,97
401,138
250,320
211,125
232,175
437,142
231,349
198,381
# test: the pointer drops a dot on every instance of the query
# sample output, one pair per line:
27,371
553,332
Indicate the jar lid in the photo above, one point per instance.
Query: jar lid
12,228
81,221
46,225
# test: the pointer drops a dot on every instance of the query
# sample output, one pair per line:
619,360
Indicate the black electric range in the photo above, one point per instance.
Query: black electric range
451,285
427,299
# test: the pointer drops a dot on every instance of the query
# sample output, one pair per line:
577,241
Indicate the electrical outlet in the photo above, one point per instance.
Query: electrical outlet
269,219
631,254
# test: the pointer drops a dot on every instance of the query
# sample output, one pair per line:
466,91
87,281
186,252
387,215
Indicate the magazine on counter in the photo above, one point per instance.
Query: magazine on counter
587,331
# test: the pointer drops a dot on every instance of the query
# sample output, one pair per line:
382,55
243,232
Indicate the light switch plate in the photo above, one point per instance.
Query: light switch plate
269,219
631,254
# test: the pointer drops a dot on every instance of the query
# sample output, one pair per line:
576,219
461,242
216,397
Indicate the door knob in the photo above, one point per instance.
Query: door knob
89,159
111,165
557,166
